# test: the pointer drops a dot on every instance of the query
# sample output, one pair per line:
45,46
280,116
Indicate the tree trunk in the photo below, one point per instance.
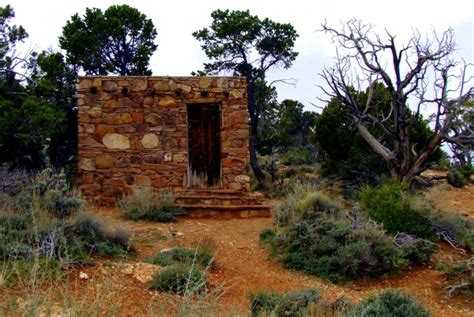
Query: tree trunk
380,149
257,171
420,164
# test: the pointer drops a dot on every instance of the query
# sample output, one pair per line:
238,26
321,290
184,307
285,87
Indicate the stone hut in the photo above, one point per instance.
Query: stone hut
188,135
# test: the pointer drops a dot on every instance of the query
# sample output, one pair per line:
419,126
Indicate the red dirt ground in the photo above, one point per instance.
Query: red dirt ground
243,266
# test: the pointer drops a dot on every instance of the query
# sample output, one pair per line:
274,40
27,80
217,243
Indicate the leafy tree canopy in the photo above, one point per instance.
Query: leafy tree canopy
246,45
119,40
236,38
28,119
346,153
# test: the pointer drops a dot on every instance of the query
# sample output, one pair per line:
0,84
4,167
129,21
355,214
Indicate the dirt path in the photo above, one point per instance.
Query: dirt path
446,197
244,267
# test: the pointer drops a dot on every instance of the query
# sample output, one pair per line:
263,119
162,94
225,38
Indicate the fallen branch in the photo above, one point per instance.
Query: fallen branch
442,235
454,288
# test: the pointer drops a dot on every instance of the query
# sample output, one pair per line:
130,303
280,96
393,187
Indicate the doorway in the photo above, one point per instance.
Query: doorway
204,146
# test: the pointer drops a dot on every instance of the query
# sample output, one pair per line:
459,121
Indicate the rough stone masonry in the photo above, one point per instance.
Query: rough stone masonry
135,131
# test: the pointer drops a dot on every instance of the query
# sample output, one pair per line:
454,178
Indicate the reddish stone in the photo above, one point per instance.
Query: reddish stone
88,178
112,119
104,161
142,180
113,182
137,117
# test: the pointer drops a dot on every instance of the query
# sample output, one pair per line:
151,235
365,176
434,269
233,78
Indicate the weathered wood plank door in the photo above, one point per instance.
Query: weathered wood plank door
204,146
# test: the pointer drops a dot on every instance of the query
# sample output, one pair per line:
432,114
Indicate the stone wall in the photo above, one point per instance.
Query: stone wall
132,131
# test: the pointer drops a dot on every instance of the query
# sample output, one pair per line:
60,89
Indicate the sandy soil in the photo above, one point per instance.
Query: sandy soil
243,266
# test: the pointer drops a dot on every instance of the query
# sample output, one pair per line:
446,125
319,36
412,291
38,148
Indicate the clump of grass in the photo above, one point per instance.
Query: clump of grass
456,178
390,302
456,228
301,199
415,250
267,236
202,258
290,304
298,303
145,204
87,235
460,276
43,224
180,279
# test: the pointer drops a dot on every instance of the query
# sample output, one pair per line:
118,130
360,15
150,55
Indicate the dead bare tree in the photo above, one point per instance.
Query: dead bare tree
421,70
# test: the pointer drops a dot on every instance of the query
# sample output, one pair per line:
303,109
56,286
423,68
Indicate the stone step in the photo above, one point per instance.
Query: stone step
220,200
227,212
213,191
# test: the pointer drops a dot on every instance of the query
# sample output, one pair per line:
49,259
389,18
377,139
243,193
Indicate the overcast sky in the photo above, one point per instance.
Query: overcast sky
179,53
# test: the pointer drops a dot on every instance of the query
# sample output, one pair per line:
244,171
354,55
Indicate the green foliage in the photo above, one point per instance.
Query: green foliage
419,251
27,125
37,107
275,304
390,303
9,36
87,234
267,235
334,248
119,40
179,279
201,258
55,82
458,228
235,35
43,220
246,45
285,127
144,203
298,157
346,153
42,269
301,199
456,178
394,207
454,271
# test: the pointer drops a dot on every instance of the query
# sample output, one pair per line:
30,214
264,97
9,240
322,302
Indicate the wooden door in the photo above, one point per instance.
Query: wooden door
204,146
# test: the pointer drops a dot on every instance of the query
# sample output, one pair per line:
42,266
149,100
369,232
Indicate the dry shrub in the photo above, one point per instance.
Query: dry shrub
146,204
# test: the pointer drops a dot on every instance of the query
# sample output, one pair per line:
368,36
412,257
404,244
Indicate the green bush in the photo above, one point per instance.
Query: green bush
459,229
390,303
62,206
396,209
335,248
87,234
268,235
303,198
43,231
298,157
290,304
419,251
456,178
461,273
179,279
200,257
144,204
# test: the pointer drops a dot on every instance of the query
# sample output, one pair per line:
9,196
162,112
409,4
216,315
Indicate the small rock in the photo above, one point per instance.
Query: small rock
83,276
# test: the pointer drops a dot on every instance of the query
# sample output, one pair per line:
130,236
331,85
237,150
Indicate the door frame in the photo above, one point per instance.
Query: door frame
188,171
